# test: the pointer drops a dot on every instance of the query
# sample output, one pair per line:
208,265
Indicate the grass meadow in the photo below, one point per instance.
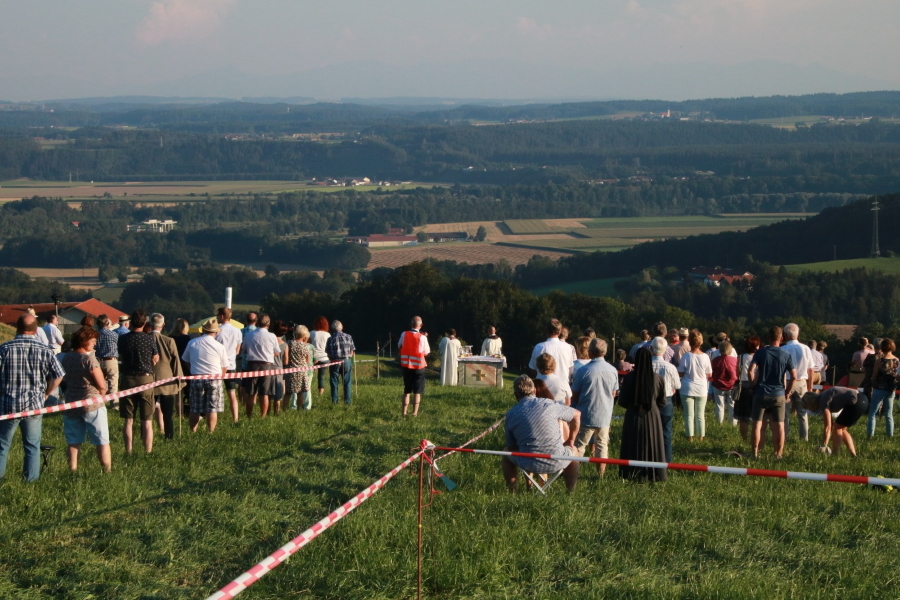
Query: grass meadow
202,508
887,265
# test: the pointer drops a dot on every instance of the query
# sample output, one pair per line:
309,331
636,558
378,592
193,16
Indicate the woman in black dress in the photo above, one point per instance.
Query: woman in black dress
642,393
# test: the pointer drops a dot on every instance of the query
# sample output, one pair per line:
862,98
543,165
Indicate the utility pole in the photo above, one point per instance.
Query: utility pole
876,252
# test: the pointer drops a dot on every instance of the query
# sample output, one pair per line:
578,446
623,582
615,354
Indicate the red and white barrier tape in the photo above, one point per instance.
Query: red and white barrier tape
828,387
153,384
684,467
474,439
251,576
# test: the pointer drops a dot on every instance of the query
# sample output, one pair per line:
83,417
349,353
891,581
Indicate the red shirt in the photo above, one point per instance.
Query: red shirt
724,372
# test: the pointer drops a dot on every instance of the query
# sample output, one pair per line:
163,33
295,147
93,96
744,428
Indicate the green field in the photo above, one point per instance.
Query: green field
531,226
721,222
592,287
202,509
886,265
109,293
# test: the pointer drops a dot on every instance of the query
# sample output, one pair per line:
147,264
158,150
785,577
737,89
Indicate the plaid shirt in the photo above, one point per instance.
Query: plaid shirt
339,346
25,367
108,344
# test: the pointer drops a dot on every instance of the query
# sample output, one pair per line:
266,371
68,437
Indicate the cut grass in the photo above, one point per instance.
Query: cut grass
520,226
202,509
883,264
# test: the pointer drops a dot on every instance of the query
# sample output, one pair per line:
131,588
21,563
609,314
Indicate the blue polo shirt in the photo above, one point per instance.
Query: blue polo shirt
773,363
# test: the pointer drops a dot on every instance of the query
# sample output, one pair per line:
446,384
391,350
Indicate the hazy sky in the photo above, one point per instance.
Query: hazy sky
485,48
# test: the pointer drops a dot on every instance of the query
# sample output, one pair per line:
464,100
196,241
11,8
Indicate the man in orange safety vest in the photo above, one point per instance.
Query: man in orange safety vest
413,350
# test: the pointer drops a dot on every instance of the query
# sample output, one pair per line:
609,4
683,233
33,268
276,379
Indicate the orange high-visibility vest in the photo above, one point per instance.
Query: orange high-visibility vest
410,357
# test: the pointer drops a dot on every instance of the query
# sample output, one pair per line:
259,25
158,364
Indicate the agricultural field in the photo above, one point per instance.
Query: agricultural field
186,520
530,226
890,266
469,252
163,191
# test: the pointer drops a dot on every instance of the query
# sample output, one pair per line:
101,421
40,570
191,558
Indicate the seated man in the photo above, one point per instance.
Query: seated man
842,407
542,426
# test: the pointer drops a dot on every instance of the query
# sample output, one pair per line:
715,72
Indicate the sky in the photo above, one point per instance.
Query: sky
576,49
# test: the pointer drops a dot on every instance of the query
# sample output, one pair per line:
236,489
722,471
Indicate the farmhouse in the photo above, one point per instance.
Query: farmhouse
379,240
448,236
154,225
717,276
70,313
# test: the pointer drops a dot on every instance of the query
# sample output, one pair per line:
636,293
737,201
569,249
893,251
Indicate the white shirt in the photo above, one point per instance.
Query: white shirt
803,360
694,369
491,347
230,337
557,385
560,352
54,336
318,339
261,345
205,355
41,336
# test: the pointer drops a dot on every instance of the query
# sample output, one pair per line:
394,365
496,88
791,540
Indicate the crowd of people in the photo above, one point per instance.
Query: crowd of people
40,368
567,408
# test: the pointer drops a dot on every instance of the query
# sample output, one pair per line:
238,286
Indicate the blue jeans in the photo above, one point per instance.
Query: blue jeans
879,396
665,415
345,369
31,442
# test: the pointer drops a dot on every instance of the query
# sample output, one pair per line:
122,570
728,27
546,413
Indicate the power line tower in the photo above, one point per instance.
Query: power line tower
876,252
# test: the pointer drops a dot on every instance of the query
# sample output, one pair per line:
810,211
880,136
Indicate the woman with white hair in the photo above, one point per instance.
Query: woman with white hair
299,353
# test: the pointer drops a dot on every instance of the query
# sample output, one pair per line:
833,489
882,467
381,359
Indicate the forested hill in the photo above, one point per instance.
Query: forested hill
846,231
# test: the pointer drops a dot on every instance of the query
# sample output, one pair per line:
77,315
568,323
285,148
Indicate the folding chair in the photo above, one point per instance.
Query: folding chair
541,481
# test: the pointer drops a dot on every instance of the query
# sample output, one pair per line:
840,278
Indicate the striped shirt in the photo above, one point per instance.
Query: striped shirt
25,366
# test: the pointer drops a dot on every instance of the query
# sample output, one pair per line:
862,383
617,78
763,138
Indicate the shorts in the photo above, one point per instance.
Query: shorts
771,406
231,384
205,396
413,381
601,441
544,465
853,412
263,385
129,405
93,425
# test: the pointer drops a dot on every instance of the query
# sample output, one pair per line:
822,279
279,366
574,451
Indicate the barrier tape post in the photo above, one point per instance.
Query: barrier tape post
474,439
859,479
252,575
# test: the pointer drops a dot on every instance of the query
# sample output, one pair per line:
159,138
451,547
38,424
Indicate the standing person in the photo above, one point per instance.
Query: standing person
573,354
492,344
669,373
449,348
857,371
841,408
623,367
230,337
673,336
206,356
54,335
645,337
250,327
318,337
884,382
820,348
39,334
181,336
803,363
558,386
770,368
694,368
84,380
107,352
262,351
340,348
168,366
29,373
299,354
413,350
139,353
581,352
539,426
593,395
279,329
124,323
724,379
743,397
556,348
643,393
818,362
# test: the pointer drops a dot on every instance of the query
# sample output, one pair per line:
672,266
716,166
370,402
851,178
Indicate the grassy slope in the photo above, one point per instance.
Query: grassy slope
887,265
202,509
6,332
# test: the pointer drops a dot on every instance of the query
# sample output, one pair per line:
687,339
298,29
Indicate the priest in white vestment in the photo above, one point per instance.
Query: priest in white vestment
449,348
492,345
